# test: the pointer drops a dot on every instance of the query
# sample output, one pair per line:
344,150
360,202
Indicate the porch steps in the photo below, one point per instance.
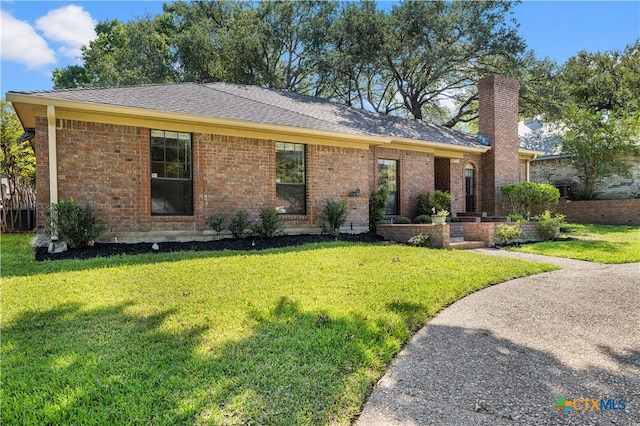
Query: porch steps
458,243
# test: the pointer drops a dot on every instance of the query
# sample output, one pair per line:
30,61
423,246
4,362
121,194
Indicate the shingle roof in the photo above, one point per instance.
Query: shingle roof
260,105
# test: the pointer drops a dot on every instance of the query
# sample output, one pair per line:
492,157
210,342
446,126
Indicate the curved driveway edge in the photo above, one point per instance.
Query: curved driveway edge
504,355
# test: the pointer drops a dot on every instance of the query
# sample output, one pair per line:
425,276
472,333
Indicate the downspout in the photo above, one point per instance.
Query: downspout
53,164
529,167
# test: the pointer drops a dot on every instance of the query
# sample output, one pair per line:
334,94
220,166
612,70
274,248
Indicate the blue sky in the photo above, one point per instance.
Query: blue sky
38,36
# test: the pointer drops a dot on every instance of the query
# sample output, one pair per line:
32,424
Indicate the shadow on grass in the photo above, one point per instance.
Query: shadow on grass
71,365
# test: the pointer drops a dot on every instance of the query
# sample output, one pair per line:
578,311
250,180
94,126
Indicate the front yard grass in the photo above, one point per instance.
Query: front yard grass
293,336
593,243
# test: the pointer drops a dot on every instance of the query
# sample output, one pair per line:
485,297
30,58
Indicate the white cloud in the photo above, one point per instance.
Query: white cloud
20,43
71,26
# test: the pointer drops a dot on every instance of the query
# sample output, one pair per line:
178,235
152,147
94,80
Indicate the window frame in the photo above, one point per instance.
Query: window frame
392,208
283,184
187,159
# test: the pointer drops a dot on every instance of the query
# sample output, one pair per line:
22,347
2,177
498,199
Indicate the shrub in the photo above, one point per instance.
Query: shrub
216,222
439,200
516,217
71,223
528,198
239,225
335,212
549,226
423,218
401,220
507,233
377,206
270,223
420,240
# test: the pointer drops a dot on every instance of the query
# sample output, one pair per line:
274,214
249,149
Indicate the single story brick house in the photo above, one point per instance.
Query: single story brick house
155,161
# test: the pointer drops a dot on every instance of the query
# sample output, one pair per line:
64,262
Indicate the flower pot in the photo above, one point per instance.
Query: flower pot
438,220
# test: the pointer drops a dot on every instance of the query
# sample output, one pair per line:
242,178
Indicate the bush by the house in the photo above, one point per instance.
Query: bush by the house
77,226
335,212
216,222
529,198
423,218
506,234
271,223
377,206
549,225
420,240
402,220
516,217
239,225
427,201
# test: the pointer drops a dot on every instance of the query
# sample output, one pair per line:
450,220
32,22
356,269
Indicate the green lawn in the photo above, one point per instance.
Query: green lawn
594,243
293,336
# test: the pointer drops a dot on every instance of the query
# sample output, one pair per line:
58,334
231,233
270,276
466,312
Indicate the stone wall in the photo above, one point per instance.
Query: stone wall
559,171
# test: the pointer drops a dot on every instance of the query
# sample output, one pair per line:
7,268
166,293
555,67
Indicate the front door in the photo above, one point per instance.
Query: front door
470,184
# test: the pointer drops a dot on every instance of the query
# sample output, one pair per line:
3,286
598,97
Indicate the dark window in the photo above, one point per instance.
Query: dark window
388,178
469,186
291,187
171,173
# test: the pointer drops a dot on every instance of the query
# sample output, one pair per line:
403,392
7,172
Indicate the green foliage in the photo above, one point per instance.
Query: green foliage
506,234
17,165
420,240
377,206
335,212
71,223
529,198
240,225
401,220
352,52
438,200
423,218
600,144
516,217
216,222
549,226
139,51
271,223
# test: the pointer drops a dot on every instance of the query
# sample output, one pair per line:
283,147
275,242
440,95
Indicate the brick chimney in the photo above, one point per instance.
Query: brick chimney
498,121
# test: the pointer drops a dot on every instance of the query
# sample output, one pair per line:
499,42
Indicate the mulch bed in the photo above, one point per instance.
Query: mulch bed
248,244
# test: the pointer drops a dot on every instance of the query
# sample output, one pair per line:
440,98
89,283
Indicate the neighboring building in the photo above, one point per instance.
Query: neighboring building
155,161
555,168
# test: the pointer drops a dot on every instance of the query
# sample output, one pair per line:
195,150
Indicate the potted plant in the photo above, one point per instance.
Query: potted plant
439,217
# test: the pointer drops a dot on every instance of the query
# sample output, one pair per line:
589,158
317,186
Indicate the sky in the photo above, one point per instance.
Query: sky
39,36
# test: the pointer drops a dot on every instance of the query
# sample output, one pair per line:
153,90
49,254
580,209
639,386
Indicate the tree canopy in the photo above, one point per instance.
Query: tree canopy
408,60
600,115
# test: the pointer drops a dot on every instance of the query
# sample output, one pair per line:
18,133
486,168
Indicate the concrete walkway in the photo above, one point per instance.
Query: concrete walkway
504,355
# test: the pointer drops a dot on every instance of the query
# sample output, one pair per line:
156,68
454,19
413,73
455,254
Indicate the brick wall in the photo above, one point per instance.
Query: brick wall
438,234
498,120
416,175
108,166
604,212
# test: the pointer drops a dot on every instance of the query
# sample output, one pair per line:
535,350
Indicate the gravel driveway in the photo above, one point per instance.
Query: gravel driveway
504,355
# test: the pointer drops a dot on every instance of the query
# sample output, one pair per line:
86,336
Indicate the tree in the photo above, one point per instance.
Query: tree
17,165
601,114
599,144
440,49
136,52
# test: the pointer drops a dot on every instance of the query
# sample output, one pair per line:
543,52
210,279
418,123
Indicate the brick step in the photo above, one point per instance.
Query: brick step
466,245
